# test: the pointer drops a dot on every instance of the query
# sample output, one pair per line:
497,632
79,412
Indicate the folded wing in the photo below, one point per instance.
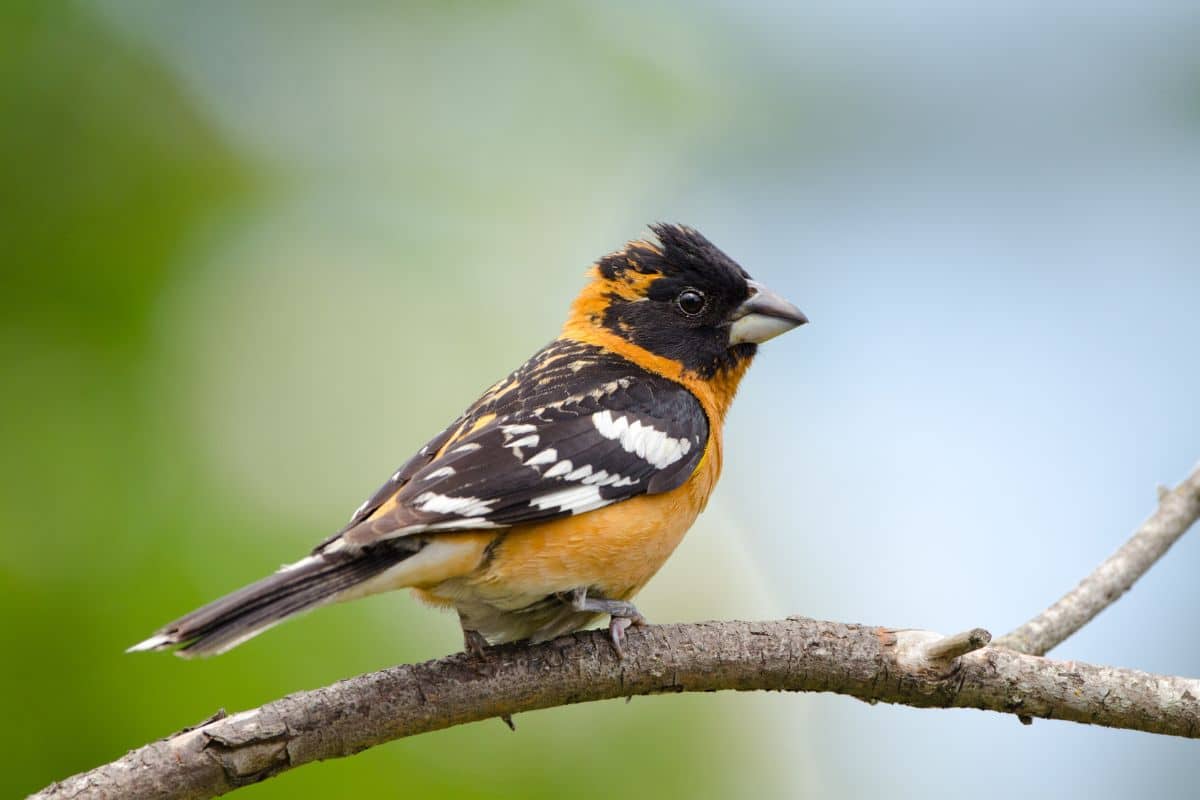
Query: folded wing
603,432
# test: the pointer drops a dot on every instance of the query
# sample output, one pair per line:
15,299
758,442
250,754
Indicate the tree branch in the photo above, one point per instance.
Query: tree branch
1177,509
796,654
909,667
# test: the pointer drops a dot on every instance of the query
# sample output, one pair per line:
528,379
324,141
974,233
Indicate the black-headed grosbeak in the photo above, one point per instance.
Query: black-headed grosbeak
560,492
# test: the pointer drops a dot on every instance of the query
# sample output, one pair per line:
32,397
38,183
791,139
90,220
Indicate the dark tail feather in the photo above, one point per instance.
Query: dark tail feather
231,620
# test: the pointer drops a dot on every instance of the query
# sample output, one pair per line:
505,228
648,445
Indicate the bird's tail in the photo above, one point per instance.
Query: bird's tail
314,581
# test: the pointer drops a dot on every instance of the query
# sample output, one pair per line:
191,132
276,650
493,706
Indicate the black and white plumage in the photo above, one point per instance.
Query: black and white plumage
574,429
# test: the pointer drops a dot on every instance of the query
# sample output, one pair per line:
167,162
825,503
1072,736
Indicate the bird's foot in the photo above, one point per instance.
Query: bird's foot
474,643
623,614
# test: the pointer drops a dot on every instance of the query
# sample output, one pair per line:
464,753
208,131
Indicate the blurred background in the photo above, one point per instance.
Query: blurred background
254,254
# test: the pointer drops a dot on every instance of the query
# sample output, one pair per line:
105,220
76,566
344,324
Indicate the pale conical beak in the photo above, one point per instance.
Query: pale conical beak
764,315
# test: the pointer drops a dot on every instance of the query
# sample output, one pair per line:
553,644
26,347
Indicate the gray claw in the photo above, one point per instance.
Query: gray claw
616,631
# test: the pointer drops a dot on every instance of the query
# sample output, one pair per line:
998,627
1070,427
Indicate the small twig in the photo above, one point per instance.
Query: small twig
926,651
949,648
1176,512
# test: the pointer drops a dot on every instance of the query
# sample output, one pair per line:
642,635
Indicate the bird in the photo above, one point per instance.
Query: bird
559,493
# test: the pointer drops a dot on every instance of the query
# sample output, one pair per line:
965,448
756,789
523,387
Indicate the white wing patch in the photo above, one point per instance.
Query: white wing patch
602,478
444,472
558,470
525,435
576,499
647,441
528,441
517,430
579,474
547,456
434,503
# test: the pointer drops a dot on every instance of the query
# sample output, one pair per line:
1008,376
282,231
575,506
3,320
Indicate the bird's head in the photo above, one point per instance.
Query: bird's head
682,299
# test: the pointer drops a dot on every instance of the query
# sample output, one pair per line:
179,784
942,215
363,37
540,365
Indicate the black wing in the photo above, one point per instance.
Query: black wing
573,430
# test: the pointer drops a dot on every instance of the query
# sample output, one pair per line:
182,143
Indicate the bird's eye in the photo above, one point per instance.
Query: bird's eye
691,302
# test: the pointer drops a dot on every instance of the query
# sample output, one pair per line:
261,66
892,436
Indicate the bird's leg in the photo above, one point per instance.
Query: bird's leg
622,614
473,641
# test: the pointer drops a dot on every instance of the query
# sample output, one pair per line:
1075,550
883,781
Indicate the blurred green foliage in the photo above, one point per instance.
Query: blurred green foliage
107,166
114,520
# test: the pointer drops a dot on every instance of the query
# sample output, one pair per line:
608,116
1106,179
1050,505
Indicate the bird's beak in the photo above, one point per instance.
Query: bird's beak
764,315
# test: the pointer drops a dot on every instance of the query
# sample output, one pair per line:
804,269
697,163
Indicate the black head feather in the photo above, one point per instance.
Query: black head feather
647,302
